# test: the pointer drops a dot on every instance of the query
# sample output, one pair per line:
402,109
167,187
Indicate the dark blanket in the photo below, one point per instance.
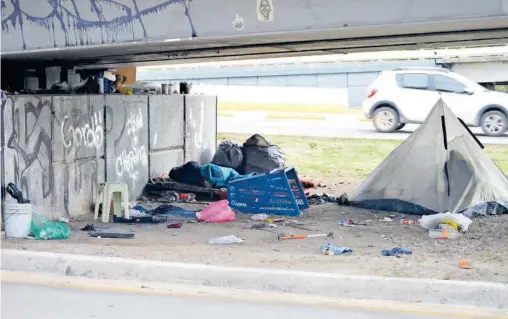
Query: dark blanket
189,173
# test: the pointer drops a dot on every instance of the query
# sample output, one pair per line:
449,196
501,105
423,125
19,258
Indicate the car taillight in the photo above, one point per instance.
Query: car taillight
371,93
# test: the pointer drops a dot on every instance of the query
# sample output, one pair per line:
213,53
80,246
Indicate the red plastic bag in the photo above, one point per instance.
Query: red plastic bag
218,212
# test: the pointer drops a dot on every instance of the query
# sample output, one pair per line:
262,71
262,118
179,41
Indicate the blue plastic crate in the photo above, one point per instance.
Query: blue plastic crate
276,193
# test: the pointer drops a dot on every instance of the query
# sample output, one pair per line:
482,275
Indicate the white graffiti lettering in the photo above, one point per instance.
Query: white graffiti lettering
89,135
127,161
134,123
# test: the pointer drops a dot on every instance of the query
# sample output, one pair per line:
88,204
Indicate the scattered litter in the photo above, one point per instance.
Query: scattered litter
259,217
408,221
88,227
169,197
63,220
432,221
257,226
346,223
465,264
444,231
111,235
173,210
396,252
139,208
218,212
275,220
140,220
175,225
316,199
43,228
136,213
287,237
231,239
187,197
350,223
330,250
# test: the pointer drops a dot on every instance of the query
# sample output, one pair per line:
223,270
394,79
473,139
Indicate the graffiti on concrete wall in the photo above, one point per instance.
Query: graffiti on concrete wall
77,22
135,157
88,134
27,139
200,136
127,142
51,164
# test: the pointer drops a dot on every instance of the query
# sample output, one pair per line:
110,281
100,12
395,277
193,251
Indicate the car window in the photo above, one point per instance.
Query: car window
447,84
413,81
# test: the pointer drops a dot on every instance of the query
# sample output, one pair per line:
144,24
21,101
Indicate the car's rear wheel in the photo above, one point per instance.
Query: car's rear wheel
400,126
494,123
386,119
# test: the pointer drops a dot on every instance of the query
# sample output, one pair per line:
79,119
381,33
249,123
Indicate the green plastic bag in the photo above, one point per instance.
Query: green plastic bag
44,228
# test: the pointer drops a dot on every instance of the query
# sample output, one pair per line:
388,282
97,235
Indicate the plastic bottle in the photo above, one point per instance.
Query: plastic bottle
408,221
188,197
444,232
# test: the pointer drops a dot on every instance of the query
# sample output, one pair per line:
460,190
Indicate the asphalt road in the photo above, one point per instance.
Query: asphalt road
21,301
340,126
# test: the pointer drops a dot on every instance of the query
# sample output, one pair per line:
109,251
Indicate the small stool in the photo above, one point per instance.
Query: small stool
106,192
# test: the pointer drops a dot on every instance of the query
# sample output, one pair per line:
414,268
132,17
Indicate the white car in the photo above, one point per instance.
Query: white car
407,95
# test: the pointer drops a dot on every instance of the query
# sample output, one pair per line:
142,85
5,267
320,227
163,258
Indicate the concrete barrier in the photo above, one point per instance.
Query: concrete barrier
56,148
480,294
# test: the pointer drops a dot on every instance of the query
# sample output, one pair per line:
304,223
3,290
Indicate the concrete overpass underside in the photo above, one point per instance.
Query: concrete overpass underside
145,31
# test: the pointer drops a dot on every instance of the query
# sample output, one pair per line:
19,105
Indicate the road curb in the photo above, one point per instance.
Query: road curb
480,294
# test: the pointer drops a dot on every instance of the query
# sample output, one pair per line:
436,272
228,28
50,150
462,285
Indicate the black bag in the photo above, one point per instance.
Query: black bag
229,155
262,157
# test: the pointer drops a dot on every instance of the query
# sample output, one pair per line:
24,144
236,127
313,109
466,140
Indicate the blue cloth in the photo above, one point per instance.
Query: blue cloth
109,86
329,249
139,208
219,176
396,252
173,210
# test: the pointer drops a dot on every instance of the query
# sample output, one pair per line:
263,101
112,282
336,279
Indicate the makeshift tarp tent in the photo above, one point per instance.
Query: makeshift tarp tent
440,167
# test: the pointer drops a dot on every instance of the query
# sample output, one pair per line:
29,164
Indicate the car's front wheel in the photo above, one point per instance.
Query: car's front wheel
386,119
494,123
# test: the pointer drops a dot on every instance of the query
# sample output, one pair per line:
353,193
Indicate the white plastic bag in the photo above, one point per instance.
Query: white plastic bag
433,221
224,240
259,217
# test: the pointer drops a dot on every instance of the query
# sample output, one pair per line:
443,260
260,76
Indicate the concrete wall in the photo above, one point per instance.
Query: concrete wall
200,128
57,148
35,24
483,72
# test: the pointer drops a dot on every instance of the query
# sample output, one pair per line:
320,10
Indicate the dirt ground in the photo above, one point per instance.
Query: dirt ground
485,245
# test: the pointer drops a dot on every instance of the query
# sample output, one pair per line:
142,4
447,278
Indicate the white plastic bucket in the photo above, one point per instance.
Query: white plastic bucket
17,219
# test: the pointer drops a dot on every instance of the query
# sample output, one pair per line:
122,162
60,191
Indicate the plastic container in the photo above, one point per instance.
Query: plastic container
444,232
276,193
18,219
